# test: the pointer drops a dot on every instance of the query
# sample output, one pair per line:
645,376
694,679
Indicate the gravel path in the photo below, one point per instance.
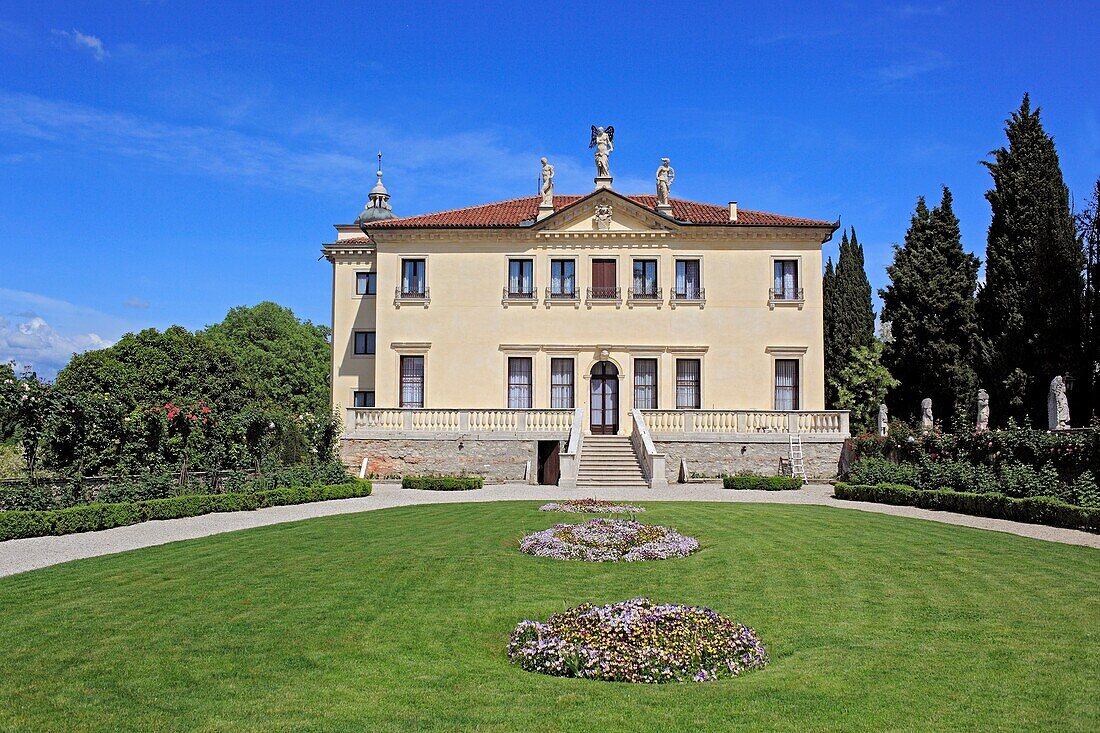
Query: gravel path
17,556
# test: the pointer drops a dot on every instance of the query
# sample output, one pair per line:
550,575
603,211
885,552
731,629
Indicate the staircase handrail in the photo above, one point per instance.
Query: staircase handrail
653,463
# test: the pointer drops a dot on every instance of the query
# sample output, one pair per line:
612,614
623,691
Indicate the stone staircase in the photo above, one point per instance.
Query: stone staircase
608,461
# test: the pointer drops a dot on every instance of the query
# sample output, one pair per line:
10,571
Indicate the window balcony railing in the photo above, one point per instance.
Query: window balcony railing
605,294
785,296
689,295
561,295
647,294
521,294
413,295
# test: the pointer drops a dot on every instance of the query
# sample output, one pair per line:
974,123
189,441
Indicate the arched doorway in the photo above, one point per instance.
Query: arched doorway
604,405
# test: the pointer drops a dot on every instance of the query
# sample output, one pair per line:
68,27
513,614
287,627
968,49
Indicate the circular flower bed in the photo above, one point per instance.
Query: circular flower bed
601,540
637,641
591,506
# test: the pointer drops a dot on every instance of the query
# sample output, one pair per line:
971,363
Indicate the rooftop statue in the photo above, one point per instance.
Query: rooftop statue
546,185
665,176
603,139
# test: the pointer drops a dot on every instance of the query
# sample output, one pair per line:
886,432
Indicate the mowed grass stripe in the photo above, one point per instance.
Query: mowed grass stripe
397,620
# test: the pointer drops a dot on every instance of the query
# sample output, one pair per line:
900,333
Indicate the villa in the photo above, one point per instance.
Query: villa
593,339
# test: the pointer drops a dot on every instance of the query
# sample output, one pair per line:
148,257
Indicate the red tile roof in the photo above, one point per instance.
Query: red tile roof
515,212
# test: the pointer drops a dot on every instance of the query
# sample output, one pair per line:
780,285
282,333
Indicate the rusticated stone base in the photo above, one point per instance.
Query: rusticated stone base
497,461
711,457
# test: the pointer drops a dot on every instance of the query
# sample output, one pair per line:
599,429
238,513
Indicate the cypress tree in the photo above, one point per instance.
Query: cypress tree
833,357
848,313
1088,227
929,304
1030,307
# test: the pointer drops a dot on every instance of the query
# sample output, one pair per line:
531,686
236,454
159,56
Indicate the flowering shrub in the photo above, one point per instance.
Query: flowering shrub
602,540
591,506
637,641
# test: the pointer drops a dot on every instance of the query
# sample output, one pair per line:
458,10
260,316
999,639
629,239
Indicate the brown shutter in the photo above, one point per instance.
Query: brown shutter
603,273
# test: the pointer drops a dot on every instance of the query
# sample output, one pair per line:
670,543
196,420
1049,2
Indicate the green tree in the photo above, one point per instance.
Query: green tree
862,384
285,361
107,399
849,317
1029,309
8,385
1088,230
26,404
929,305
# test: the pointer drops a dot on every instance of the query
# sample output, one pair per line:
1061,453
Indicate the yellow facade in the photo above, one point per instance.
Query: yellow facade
467,328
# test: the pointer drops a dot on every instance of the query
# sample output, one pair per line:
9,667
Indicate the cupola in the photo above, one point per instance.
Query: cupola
378,205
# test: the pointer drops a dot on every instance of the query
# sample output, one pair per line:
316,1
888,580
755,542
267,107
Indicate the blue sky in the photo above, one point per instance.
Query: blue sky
161,162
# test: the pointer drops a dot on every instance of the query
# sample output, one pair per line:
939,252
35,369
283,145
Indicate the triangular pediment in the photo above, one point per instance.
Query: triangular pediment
605,212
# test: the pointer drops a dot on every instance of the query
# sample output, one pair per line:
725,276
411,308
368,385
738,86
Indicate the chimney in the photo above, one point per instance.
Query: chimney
733,211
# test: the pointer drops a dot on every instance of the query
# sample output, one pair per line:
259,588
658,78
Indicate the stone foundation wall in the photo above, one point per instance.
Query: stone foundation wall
497,461
713,457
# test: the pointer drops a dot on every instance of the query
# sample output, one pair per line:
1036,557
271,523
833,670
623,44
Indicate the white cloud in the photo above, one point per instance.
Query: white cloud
321,154
45,332
83,41
35,343
918,64
136,302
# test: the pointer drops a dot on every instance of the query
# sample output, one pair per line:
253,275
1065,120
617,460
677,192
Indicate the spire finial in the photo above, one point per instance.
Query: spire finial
378,207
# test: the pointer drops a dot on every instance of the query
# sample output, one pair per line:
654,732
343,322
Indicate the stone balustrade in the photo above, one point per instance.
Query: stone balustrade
371,421
807,422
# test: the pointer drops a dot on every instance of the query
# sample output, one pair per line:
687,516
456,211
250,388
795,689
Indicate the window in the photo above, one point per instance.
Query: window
519,382
645,384
561,384
412,381
521,278
563,281
366,283
688,282
362,398
785,285
687,384
364,343
645,279
786,384
413,282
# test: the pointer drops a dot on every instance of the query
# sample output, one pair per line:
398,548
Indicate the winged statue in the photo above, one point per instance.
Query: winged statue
603,140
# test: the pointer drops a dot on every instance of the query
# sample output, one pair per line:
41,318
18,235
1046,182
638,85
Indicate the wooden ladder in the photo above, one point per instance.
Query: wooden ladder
798,461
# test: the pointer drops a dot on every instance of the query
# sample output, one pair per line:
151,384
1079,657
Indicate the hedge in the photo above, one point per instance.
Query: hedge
762,483
442,483
1034,510
92,517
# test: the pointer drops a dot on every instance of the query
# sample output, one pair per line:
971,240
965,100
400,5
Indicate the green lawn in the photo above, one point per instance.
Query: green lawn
396,620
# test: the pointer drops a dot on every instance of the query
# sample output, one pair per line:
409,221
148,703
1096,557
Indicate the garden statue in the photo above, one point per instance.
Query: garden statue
983,411
1057,405
546,185
665,177
883,421
603,140
926,413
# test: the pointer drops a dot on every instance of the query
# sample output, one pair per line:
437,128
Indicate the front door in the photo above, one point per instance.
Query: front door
605,399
